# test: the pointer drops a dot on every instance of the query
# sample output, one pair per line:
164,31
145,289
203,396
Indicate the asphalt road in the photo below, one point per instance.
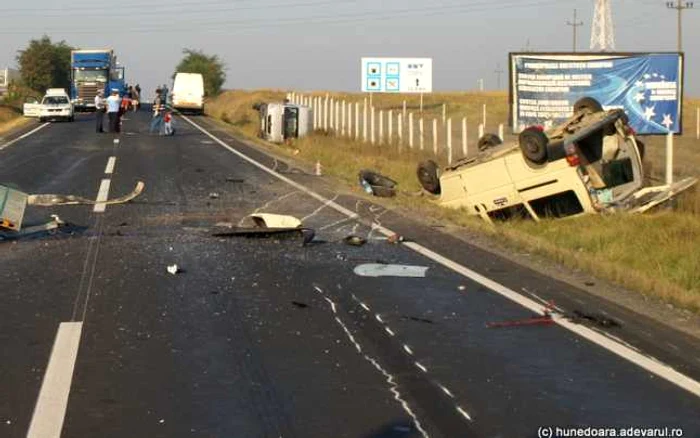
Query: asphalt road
268,338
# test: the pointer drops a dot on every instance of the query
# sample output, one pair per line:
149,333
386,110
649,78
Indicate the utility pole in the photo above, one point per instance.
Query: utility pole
498,72
602,28
680,8
574,24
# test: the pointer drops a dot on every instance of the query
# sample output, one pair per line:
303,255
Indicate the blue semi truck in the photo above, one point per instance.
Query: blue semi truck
93,70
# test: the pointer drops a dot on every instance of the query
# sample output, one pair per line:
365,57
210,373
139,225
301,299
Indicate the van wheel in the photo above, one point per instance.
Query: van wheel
587,104
428,177
533,145
488,141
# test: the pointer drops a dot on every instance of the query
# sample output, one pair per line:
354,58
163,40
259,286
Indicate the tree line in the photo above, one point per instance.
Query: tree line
45,64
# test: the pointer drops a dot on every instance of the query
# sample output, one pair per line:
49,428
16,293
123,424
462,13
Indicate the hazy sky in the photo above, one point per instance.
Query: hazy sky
317,44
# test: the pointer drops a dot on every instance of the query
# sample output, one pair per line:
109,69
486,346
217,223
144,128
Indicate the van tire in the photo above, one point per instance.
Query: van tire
428,176
533,145
588,104
488,141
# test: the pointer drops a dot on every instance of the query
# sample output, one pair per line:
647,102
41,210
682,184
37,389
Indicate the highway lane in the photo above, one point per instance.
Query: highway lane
266,338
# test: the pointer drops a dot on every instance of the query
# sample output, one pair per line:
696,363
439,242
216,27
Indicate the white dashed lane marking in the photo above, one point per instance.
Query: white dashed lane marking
50,408
109,169
102,195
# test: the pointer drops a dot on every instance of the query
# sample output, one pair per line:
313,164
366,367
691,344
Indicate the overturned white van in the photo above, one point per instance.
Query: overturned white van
281,121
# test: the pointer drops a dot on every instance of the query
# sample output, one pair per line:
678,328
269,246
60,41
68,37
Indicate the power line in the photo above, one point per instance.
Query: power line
680,8
233,25
575,24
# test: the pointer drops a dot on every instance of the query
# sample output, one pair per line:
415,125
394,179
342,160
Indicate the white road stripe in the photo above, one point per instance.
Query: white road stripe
50,408
657,368
23,136
110,165
102,195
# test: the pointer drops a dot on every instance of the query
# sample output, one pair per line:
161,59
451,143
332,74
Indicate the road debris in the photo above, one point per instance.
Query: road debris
269,225
307,234
395,238
376,184
269,220
213,195
35,230
300,304
174,269
45,200
596,318
418,319
382,270
544,319
234,180
355,240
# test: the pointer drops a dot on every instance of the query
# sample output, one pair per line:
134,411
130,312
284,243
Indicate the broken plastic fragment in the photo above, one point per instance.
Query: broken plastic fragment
173,269
355,240
48,200
378,270
269,220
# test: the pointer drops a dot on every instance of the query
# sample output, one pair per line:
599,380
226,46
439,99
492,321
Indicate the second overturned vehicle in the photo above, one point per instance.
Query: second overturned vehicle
591,163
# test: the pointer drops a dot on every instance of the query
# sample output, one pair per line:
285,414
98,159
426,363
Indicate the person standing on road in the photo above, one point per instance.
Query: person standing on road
123,108
100,107
113,106
157,121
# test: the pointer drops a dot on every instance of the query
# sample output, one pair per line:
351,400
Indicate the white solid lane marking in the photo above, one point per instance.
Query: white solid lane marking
110,165
50,408
23,136
659,369
102,195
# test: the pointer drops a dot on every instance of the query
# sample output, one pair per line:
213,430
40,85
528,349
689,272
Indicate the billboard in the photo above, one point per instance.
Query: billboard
397,75
648,86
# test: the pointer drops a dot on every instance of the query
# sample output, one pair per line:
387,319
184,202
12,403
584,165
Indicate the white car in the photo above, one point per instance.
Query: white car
56,105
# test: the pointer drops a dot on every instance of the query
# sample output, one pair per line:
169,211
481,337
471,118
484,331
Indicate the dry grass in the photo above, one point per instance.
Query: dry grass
10,119
656,254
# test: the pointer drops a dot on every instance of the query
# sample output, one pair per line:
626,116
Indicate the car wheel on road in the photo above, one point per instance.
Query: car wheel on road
533,145
488,141
587,104
71,119
428,177
42,120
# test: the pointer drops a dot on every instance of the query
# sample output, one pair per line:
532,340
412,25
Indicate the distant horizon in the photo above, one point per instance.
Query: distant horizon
297,44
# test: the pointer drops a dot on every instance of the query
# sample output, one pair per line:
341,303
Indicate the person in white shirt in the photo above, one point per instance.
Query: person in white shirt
114,102
99,111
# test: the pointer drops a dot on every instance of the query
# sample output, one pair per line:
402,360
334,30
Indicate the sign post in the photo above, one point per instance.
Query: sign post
397,75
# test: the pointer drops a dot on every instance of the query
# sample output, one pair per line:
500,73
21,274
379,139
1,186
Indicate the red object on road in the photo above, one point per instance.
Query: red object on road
545,319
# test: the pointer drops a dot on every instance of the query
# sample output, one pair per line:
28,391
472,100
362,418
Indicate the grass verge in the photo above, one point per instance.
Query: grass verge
655,254
10,119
